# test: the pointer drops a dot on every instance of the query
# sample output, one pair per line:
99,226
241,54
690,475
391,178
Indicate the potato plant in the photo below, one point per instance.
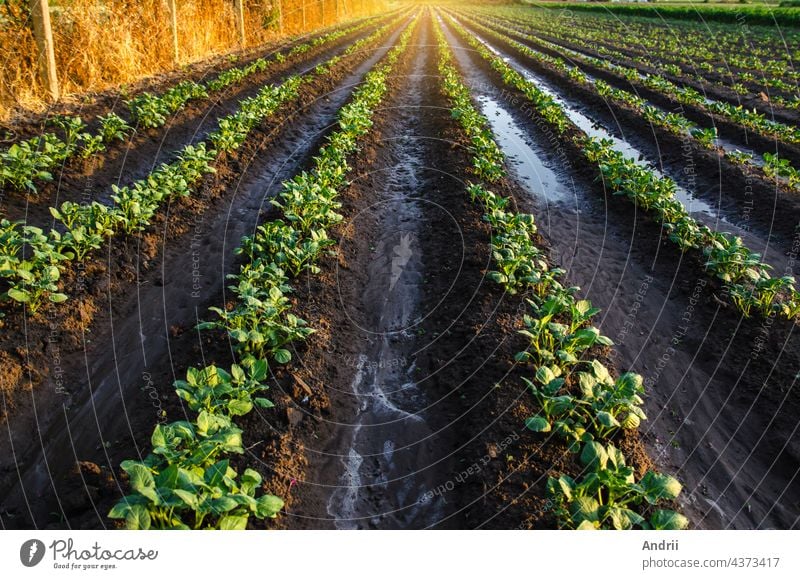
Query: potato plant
85,228
186,482
727,258
579,399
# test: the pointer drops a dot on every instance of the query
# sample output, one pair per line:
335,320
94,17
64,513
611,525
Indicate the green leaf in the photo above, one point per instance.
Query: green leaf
119,511
268,506
583,306
668,521
193,376
233,523
239,407
624,519
188,497
585,509
251,476
215,474
57,298
168,477
631,421
537,424
601,372
203,421
19,295
264,403
137,519
139,475
586,382
240,335
545,375
567,486
604,340
630,384
659,486
594,456
607,420
158,438
237,373
282,356
223,504
258,371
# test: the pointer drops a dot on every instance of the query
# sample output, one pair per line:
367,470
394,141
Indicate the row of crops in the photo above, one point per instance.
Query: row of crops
32,260
770,165
186,482
747,280
717,57
682,94
580,401
30,162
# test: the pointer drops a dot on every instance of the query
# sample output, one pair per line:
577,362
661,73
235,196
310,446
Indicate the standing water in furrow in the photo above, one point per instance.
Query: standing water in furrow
383,458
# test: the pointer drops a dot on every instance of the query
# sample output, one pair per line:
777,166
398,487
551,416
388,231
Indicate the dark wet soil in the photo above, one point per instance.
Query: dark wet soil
98,376
703,364
405,409
742,196
420,435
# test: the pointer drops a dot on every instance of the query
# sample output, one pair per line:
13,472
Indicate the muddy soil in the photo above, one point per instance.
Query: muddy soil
740,196
720,388
713,91
382,450
405,409
124,163
426,404
100,378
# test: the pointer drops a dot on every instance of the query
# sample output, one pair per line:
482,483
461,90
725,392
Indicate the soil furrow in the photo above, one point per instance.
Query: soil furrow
148,148
100,406
726,392
380,455
745,199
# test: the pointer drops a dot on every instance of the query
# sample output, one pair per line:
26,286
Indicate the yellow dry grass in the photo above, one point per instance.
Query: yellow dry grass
100,44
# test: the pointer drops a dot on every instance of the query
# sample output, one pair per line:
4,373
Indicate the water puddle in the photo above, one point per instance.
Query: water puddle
694,205
386,451
533,172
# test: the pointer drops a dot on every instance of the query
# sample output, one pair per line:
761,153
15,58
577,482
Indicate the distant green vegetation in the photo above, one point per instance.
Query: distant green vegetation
787,15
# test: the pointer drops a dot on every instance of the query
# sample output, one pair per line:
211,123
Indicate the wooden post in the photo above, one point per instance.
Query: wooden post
238,9
323,13
280,16
173,26
304,14
40,14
